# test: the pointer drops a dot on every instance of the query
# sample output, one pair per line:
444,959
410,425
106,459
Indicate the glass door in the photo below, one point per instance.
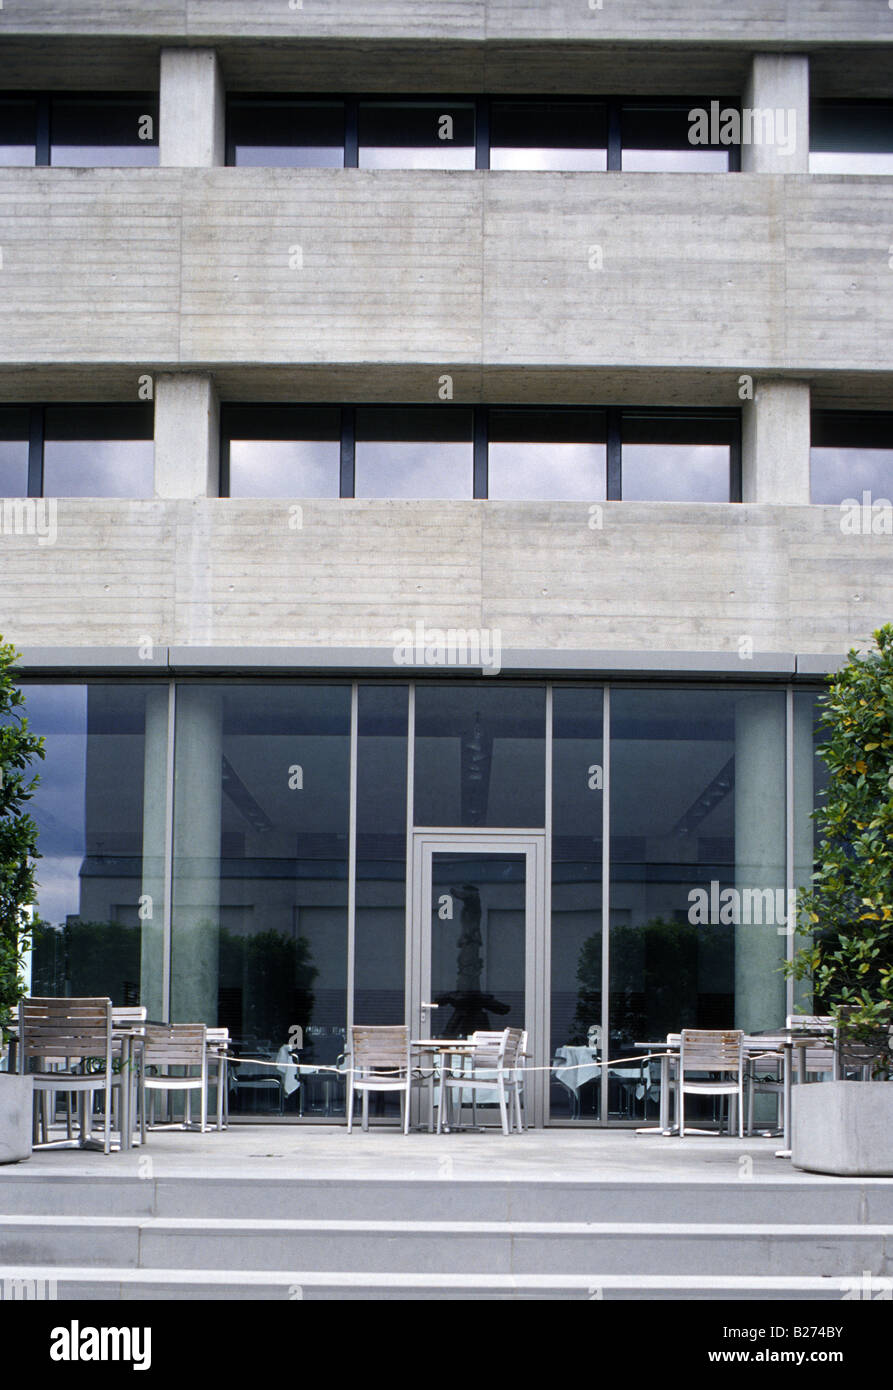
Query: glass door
476,937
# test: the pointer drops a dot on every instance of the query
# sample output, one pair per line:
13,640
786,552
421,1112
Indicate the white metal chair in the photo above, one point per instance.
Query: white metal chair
65,1034
493,1065
822,1059
379,1061
176,1045
701,1051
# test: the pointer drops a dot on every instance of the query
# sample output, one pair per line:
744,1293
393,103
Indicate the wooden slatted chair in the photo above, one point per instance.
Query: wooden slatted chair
176,1045
379,1061
62,1035
493,1066
701,1051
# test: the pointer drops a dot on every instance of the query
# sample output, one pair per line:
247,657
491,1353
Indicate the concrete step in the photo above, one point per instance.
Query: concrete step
754,1200
448,1247
132,1285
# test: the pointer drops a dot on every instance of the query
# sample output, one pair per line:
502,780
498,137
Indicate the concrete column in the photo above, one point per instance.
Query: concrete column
778,83
197,802
775,436
152,890
187,436
192,106
759,855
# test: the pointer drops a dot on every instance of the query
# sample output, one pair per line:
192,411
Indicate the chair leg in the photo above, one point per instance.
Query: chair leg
680,1103
350,1098
365,1109
502,1107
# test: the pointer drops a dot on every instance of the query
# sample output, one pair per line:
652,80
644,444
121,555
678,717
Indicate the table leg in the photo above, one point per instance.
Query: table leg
788,1050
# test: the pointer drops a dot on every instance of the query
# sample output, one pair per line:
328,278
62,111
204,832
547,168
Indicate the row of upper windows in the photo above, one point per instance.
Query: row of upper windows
450,451
447,133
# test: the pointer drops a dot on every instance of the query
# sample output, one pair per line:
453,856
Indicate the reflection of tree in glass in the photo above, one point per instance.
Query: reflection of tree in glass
86,958
471,1008
655,981
274,975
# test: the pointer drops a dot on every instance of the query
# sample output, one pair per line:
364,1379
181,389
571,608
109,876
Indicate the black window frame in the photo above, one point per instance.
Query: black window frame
480,423
43,133
37,431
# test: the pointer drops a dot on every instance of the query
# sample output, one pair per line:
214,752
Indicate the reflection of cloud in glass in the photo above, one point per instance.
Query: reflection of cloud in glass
143,155
674,161
423,469
445,156
59,888
532,157
840,473
13,467
284,468
849,162
16,156
675,472
547,472
289,156
99,468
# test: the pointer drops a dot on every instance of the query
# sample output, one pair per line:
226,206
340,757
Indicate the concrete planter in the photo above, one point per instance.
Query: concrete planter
844,1128
15,1117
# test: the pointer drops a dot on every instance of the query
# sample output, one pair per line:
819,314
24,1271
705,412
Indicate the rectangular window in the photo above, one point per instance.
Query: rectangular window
551,455
677,457
414,451
98,451
18,132
416,135
111,131
541,134
851,137
656,138
286,134
852,453
14,435
281,451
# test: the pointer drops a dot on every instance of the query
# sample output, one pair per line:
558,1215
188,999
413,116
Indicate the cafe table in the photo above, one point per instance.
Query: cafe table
440,1049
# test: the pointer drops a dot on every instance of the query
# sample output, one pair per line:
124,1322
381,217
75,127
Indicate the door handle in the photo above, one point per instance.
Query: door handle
430,1006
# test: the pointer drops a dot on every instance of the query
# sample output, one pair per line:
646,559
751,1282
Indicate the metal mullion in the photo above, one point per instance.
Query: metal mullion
606,901
168,911
789,831
351,134
614,458
481,442
735,483
35,451
614,151
410,947
42,133
482,133
352,855
348,451
543,1024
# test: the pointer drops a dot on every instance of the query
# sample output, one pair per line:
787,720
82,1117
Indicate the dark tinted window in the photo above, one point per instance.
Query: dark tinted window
677,457
657,136
98,451
14,431
851,137
110,131
283,451
297,134
416,135
852,453
18,125
548,135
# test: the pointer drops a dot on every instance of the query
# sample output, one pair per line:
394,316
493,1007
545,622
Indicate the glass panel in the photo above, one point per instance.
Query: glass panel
99,451
851,137
416,135
548,135
547,454
114,131
18,125
414,452
297,135
677,458
283,451
480,755
100,809
478,943
657,138
810,783
380,945
577,782
851,454
260,885
14,430
699,910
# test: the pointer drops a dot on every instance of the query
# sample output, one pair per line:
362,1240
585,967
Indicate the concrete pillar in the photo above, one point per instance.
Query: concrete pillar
187,436
759,855
775,437
778,83
154,819
197,803
192,107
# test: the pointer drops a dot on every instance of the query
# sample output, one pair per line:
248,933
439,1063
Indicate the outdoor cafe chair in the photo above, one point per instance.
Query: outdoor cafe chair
492,1065
182,1045
65,1036
379,1061
703,1051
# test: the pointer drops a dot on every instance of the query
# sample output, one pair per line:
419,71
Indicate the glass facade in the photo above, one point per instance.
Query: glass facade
851,137
284,814
851,454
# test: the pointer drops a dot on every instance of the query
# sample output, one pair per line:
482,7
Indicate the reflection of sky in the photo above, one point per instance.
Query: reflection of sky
289,156
840,473
17,155
284,467
849,162
98,468
59,713
504,157
143,154
548,472
413,469
675,472
13,467
674,161
442,156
